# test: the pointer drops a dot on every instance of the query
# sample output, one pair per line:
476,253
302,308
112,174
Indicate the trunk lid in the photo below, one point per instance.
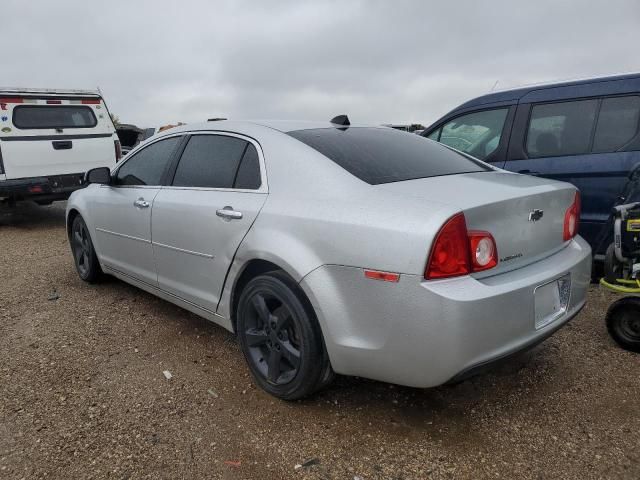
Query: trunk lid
524,214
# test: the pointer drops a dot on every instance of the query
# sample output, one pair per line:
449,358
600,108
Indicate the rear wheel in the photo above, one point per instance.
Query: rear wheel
84,254
623,323
280,337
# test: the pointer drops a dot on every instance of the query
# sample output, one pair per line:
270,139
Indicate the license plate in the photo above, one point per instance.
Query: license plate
551,300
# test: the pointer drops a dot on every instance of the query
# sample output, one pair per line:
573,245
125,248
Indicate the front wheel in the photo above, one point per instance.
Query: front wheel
84,255
280,337
623,323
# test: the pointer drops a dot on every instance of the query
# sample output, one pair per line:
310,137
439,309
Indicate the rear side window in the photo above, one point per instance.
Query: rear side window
50,116
477,133
147,166
383,155
210,161
558,129
617,123
248,176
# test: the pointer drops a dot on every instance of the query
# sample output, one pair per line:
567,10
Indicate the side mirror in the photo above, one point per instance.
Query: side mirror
100,175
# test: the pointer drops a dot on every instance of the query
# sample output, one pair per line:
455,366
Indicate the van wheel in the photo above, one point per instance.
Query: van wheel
280,337
84,255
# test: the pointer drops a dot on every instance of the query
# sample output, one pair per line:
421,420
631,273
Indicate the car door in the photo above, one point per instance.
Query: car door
199,220
591,143
121,212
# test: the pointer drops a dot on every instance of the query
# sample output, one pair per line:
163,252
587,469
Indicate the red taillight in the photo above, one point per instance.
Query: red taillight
11,100
458,252
450,253
118,148
572,219
90,101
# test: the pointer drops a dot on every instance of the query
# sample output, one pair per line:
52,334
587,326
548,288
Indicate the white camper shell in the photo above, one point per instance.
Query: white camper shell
49,139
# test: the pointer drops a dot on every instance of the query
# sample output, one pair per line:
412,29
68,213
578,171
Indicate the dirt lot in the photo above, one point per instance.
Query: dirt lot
82,394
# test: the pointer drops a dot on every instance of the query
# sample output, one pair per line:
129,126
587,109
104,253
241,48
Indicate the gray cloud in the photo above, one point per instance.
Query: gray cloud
379,61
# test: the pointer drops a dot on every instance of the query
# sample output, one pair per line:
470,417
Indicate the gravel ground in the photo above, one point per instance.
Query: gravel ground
83,395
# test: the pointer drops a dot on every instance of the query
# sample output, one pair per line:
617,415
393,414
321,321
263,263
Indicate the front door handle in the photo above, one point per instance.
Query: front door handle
228,213
141,203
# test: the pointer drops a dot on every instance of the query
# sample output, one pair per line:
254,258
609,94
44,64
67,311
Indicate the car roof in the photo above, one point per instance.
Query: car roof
517,94
247,126
47,91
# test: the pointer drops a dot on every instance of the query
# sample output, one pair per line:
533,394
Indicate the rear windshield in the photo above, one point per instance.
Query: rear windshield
384,155
50,116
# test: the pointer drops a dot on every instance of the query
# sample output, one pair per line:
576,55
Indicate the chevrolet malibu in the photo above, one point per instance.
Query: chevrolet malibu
332,248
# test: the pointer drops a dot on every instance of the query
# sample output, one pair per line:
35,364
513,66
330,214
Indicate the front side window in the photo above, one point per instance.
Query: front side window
210,161
50,116
617,123
558,129
384,155
147,166
477,133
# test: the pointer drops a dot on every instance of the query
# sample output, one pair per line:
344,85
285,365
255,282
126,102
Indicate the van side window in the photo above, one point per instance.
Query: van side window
435,135
210,161
477,133
557,129
147,166
617,123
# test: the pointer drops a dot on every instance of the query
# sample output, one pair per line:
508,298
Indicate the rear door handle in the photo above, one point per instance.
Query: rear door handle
228,213
141,203
529,172
62,144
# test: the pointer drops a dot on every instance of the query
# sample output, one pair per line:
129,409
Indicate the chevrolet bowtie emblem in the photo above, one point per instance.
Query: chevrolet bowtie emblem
535,215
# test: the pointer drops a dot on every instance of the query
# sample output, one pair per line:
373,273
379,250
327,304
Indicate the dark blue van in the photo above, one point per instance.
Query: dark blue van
584,132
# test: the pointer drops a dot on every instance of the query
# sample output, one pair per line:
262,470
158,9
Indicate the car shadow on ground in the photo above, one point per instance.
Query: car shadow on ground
28,215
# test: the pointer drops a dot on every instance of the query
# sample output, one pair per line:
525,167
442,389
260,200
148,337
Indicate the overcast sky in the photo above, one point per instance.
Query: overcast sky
378,61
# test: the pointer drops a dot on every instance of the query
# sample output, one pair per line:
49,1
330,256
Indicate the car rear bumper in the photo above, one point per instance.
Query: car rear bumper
426,333
55,186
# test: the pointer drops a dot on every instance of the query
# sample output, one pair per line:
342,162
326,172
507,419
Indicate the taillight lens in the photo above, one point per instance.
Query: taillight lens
458,252
572,219
450,253
118,148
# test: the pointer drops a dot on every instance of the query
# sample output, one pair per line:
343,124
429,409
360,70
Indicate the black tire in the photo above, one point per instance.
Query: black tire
623,323
612,267
280,337
84,255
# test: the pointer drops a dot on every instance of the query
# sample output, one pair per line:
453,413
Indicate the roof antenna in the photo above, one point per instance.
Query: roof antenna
342,120
495,85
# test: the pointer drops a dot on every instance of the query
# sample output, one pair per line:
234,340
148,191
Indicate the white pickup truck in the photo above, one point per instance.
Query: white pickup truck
49,139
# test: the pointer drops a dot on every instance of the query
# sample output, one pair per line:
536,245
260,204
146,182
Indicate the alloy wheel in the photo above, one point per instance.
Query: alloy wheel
272,338
81,247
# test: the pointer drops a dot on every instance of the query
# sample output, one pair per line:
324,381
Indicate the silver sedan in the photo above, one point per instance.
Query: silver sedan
333,248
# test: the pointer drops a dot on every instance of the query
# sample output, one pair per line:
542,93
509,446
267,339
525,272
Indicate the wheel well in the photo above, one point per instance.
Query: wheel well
72,215
251,270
